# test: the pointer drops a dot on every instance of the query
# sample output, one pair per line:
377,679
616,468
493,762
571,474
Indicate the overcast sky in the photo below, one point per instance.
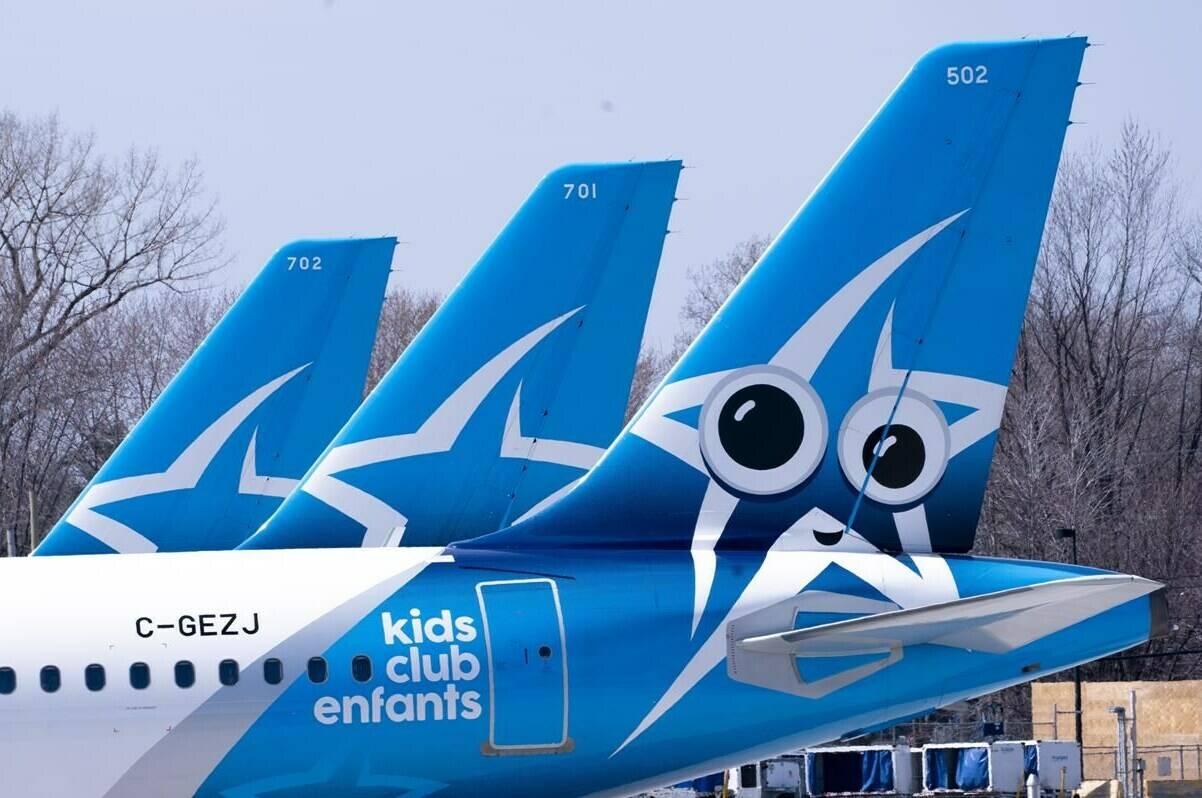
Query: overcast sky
433,121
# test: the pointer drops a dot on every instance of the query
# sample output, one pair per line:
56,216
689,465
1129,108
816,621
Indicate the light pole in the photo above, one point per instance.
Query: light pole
1071,534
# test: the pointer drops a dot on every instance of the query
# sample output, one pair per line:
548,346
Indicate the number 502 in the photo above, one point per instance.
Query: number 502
967,75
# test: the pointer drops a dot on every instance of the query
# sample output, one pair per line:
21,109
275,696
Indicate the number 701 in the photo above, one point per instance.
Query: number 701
580,190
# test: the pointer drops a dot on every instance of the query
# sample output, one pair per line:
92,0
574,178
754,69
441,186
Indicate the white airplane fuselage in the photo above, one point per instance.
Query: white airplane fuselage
553,673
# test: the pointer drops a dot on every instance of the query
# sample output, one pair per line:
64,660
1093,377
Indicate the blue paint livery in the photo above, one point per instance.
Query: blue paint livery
906,273
246,415
742,574
515,386
627,620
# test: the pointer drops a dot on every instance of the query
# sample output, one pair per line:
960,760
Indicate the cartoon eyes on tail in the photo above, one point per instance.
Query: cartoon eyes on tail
763,430
911,451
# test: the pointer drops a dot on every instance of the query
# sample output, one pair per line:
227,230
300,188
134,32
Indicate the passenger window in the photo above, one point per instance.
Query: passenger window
8,680
51,679
139,676
93,677
317,670
273,671
185,674
361,668
227,672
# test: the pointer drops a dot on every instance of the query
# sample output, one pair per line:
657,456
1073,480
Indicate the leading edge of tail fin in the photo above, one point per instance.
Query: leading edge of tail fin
849,391
516,385
247,414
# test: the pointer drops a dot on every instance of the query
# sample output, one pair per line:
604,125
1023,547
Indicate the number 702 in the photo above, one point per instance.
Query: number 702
305,263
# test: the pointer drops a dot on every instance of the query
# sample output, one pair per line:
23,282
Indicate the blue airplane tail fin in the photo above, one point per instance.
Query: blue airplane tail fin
850,389
247,414
516,385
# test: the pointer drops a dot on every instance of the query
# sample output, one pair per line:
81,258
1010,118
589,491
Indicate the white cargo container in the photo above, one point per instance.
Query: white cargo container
839,770
771,778
967,768
782,775
1050,758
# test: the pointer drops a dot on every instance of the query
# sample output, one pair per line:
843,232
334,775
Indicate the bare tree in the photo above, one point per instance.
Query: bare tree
712,284
92,391
649,371
404,314
79,235
1104,405
1104,415
1189,421
100,382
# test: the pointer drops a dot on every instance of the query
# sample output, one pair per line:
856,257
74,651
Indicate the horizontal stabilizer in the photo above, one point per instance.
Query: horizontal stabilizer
993,623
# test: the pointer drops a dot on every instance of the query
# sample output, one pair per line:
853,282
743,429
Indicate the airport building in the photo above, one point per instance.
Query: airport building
1162,728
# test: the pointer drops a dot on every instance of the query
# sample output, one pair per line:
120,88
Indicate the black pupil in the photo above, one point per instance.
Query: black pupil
901,459
761,427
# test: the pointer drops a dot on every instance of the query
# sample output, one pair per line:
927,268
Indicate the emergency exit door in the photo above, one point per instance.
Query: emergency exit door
527,667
